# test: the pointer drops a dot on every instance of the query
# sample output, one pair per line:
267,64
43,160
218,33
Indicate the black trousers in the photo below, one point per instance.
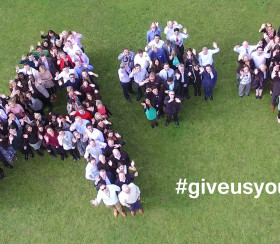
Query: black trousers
184,91
51,90
181,53
73,153
274,98
139,90
25,151
58,150
127,88
169,117
160,112
197,89
47,103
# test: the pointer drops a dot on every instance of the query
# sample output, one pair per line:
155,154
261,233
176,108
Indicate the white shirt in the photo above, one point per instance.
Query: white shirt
72,51
31,71
66,141
259,59
76,39
91,171
110,199
180,38
154,44
95,135
94,151
127,199
65,76
144,61
208,58
241,50
163,74
169,32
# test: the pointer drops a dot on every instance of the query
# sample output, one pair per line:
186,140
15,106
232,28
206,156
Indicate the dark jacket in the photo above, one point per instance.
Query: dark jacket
172,107
207,80
52,67
176,87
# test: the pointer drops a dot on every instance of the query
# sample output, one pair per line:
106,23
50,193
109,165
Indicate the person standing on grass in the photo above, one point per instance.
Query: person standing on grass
259,80
205,57
65,140
166,72
181,76
155,30
158,53
127,58
91,169
130,197
259,57
150,112
209,79
172,107
245,81
276,86
108,193
143,59
177,39
139,75
125,81
195,78
246,48
169,28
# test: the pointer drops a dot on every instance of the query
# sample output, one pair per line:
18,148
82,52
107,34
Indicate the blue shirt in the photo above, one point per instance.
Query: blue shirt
171,87
151,34
81,128
79,69
160,55
124,75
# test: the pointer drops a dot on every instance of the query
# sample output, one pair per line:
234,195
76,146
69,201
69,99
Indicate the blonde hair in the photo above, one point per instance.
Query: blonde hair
37,115
98,102
69,89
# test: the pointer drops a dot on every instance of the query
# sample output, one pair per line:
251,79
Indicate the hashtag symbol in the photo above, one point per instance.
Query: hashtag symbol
181,186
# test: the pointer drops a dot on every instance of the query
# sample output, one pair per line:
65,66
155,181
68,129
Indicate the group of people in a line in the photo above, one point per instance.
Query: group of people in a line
257,64
163,71
28,123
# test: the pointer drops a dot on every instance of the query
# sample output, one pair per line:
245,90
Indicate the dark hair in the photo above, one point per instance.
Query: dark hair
51,32
88,124
194,63
100,184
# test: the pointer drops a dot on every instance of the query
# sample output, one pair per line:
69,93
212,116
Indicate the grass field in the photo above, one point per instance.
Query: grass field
227,140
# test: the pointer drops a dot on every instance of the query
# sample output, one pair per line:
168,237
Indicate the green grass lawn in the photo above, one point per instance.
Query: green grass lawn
227,140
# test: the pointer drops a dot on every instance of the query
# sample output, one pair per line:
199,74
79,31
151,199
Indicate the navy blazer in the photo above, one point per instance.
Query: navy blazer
206,78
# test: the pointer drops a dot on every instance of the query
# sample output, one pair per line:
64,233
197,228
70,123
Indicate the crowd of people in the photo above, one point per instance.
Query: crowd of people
163,71
28,123
258,64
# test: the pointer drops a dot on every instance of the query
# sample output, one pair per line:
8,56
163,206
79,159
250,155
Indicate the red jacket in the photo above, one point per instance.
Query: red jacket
52,139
